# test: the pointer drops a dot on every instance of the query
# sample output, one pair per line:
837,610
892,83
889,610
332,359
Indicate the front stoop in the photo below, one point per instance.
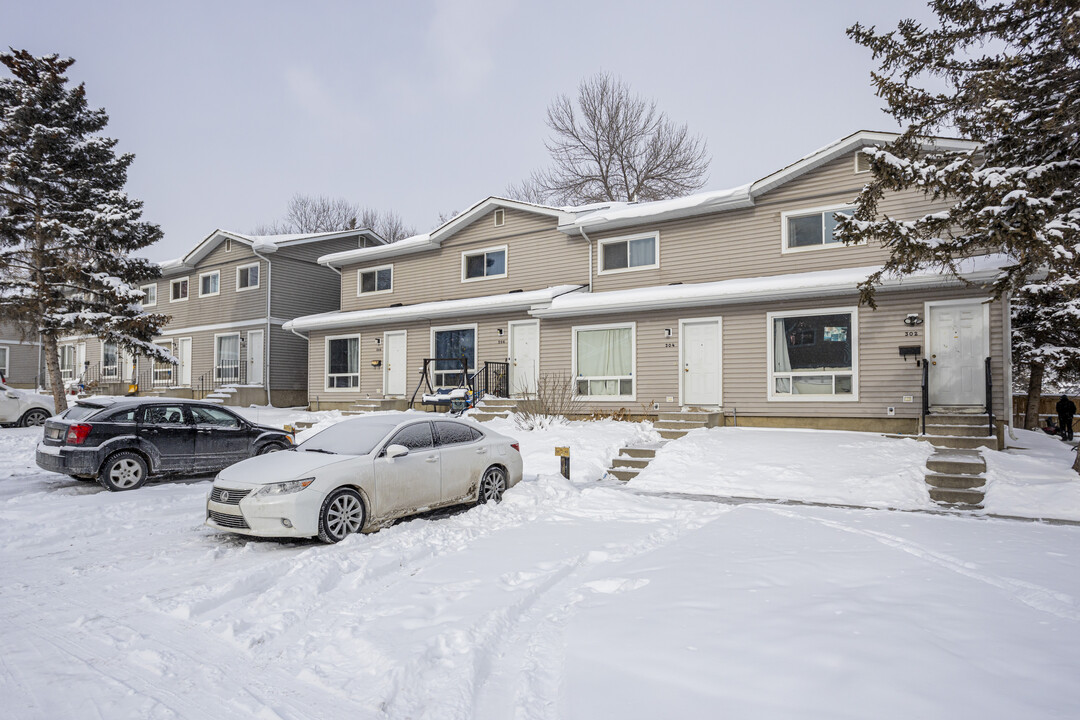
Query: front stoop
375,405
956,477
492,408
671,426
631,460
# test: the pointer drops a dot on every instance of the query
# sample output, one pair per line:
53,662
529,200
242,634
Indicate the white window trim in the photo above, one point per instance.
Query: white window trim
476,347
770,339
720,351
74,360
173,282
249,287
208,274
119,360
633,362
6,354
360,275
152,285
326,363
239,348
785,250
626,239
484,251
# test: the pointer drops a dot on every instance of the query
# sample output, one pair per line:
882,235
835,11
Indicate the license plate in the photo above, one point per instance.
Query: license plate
47,450
53,433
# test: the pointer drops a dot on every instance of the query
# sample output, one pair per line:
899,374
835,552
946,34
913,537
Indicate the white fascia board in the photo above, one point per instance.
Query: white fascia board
631,214
218,326
414,244
777,287
485,305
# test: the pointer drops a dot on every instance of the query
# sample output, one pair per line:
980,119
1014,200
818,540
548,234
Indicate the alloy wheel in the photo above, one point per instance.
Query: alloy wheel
345,515
492,485
125,473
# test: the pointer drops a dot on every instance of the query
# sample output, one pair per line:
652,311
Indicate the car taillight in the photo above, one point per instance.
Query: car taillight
77,433
515,446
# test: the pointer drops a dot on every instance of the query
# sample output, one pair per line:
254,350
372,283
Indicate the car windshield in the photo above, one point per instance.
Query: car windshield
80,411
351,437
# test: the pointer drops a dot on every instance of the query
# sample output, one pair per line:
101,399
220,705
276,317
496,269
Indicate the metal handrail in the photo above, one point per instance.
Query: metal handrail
925,393
989,399
492,379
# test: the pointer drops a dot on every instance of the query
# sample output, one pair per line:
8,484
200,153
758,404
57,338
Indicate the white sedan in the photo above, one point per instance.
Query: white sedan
362,474
22,407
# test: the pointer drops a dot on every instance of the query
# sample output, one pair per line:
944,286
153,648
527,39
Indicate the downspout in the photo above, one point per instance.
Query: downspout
1008,366
269,328
582,230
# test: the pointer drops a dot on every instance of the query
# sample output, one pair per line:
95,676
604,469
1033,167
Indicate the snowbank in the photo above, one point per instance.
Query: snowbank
1034,479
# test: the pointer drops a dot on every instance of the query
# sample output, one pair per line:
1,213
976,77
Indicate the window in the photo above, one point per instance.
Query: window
164,415
449,345
110,360
414,437
813,355
4,362
807,230
247,277
213,416
149,295
483,264
122,416
67,362
163,371
376,280
639,252
343,362
178,290
604,361
210,283
451,433
227,357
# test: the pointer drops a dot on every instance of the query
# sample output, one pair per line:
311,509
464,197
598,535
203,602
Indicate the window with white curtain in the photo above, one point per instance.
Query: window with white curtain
343,362
67,362
227,358
604,361
110,360
813,355
639,252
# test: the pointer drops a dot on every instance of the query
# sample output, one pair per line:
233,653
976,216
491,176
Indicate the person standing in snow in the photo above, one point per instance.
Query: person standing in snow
1066,409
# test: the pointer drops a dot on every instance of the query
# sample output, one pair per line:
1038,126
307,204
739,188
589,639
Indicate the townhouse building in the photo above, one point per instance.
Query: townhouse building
739,301
21,361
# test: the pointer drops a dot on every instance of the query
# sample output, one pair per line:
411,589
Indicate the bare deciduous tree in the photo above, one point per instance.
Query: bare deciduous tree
320,213
612,144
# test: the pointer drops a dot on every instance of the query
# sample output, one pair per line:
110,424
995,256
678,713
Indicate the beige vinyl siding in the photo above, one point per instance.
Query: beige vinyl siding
748,242
538,256
884,377
227,306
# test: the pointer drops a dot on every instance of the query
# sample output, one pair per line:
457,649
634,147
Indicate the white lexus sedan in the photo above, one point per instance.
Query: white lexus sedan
362,474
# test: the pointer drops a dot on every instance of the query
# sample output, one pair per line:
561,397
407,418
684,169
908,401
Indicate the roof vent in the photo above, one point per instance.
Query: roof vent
676,283
515,291
228,244
397,305
500,217
862,162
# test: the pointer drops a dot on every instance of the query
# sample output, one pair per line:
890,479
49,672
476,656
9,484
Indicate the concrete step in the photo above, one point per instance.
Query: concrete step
499,402
623,461
673,434
957,419
958,430
678,425
639,452
963,482
485,416
214,400
624,474
303,424
970,499
943,441
689,416
956,462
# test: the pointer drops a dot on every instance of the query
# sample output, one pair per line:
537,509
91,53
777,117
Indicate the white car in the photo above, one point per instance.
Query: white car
360,475
21,407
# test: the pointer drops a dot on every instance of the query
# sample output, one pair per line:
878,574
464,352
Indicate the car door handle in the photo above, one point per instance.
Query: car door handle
481,451
432,459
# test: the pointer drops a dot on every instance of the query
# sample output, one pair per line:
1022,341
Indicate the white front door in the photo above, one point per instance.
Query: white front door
394,363
80,360
958,350
524,357
184,355
128,368
699,348
255,357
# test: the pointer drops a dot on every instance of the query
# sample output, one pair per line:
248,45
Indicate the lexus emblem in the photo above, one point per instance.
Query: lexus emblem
224,496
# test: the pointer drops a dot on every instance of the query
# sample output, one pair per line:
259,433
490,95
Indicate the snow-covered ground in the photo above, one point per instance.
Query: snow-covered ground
567,600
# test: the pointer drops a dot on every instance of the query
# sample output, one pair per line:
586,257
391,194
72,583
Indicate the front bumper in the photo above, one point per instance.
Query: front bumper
263,516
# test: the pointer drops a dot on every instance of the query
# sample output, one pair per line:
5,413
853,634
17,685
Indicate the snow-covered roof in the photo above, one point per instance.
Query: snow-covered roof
486,305
259,243
774,287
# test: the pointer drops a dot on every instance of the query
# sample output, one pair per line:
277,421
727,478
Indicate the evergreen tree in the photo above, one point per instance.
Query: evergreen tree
1006,74
66,225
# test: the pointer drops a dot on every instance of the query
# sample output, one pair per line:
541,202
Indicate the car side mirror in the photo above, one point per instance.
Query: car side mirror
12,395
396,451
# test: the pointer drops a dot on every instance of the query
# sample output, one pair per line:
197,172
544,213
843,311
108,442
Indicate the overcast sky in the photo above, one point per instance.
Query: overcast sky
426,107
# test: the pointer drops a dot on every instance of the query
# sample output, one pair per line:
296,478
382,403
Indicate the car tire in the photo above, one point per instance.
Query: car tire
342,512
123,471
34,417
270,447
492,485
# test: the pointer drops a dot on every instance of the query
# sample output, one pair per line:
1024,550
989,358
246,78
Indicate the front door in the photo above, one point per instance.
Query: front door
957,354
80,361
524,357
183,370
699,347
394,379
255,357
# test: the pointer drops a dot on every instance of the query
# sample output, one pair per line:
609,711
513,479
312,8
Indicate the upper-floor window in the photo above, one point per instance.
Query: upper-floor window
811,229
480,264
210,283
376,280
639,252
149,295
247,277
178,290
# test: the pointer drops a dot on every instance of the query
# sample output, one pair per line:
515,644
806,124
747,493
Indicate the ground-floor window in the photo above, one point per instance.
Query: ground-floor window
67,362
227,358
110,360
343,362
813,355
4,363
163,371
604,361
451,344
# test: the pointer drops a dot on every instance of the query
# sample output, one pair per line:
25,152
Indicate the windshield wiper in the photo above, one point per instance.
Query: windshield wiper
320,450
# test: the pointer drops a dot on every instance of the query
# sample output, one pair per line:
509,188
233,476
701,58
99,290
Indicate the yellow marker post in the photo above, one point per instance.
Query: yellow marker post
564,454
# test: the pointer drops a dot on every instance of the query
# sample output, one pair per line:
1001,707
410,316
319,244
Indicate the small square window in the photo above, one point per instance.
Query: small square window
178,290
149,295
484,264
247,277
209,284
377,280
637,253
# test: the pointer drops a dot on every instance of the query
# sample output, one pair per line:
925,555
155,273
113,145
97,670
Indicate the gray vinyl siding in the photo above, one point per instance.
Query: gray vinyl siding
24,366
311,251
538,256
748,242
302,288
288,360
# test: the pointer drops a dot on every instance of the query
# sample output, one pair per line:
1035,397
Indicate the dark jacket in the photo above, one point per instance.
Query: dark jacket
1066,408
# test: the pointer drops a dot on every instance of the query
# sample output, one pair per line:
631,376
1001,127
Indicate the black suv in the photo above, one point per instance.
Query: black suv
123,442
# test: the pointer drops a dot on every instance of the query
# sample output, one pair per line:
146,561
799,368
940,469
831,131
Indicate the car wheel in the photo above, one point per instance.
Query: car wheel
270,448
34,418
492,485
123,471
342,513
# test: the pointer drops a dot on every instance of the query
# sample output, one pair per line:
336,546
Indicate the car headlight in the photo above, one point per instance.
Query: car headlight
284,488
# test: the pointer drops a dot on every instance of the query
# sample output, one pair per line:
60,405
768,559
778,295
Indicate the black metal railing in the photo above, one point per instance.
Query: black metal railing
925,393
989,399
492,379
